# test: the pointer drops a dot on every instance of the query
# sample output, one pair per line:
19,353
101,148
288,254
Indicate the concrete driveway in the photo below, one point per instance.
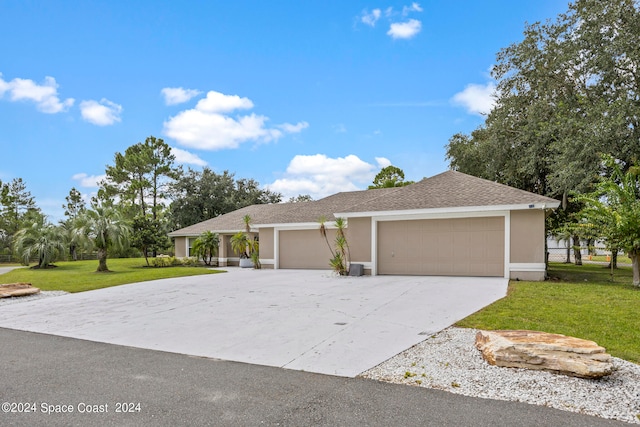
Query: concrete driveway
297,319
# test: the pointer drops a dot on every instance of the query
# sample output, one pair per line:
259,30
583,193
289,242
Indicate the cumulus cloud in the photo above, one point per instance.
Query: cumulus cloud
370,19
383,162
217,102
178,95
209,126
405,30
101,113
88,181
320,176
44,95
477,99
185,157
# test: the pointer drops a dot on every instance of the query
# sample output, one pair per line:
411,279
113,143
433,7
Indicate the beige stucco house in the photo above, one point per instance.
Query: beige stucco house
451,224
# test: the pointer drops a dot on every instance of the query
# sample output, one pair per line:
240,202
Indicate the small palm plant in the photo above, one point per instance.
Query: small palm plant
244,246
340,255
206,246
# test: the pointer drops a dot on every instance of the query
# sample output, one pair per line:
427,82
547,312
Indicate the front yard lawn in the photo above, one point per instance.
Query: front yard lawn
79,276
579,301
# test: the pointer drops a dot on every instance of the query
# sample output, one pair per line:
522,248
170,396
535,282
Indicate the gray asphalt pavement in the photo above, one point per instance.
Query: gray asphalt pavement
49,375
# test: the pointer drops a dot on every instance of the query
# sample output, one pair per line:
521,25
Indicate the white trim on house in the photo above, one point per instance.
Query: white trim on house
528,266
297,225
446,212
268,261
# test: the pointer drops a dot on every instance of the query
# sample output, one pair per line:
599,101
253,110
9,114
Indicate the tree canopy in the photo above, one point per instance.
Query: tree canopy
140,176
566,94
389,176
198,196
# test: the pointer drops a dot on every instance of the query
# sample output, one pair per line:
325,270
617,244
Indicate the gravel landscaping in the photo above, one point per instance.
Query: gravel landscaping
449,361
40,295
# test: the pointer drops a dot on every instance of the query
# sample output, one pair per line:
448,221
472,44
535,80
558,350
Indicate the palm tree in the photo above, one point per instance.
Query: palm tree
106,228
239,242
42,239
206,245
75,240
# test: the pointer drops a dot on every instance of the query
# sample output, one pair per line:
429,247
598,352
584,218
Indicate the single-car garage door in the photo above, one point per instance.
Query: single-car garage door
442,247
304,249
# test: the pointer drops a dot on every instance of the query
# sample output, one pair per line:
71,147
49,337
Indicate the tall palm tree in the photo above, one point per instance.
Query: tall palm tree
43,239
106,228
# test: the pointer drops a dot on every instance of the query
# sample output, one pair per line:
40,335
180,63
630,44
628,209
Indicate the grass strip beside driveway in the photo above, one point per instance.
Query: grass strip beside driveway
79,276
579,301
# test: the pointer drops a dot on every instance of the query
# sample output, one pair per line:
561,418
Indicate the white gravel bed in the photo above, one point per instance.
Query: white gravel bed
40,295
449,361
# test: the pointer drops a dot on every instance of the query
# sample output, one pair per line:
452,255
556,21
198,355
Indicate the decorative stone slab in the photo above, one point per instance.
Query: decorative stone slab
543,351
17,290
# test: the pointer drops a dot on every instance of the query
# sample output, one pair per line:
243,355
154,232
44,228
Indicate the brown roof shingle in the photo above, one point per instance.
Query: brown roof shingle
446,190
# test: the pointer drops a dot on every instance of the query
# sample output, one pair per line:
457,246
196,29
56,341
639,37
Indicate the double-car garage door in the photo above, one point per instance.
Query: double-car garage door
428,247
442,247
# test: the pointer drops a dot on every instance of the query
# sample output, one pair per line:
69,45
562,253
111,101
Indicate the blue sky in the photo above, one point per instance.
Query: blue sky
308,97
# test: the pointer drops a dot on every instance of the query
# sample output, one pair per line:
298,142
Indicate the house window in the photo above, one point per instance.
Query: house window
190,242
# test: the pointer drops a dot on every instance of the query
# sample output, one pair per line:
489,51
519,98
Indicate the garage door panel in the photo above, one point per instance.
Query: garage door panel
446,247
305,249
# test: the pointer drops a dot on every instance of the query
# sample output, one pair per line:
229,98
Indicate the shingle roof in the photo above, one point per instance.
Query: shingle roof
446,190
283,213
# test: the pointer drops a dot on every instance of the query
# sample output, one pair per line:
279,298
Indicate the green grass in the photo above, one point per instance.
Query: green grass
622,259
79,276
579,301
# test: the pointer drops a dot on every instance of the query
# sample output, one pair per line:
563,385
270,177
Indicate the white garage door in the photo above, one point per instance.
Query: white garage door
442,247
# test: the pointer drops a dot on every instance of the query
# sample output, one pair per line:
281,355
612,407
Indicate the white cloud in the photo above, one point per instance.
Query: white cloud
297,128
405,30
371,18
477,99
185,157
217,102
89,181
101,113
45,95
208,126
415,7
383,162
178,95
320,176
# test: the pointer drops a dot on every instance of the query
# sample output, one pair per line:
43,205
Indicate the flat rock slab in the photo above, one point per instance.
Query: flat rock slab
544,351
17,290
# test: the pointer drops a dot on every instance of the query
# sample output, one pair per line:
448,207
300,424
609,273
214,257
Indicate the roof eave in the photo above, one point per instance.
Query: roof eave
454,210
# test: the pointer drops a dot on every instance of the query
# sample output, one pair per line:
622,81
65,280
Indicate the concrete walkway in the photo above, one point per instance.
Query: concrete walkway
8,269
296,319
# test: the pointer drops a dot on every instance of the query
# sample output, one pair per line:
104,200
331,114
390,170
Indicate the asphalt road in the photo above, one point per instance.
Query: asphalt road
60,379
